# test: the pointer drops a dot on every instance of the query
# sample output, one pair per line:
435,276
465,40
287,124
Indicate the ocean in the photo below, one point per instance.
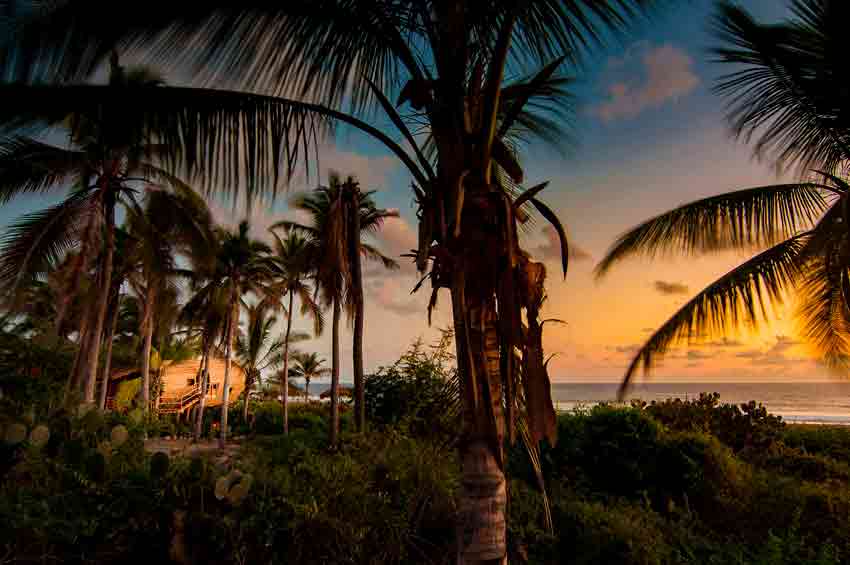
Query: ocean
803,402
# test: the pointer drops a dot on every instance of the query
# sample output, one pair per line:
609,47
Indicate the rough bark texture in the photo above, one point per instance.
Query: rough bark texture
482,502
357,299
249,384
334,432
90,367
107,362
72,385
146,352
284,381
225,391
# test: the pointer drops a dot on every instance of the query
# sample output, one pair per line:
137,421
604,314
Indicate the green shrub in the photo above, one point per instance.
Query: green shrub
740,427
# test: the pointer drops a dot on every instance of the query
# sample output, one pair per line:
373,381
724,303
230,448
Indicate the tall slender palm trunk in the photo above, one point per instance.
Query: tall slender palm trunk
107,362
334,432
72,385
249,384
284,382
90,366
204,379
357,298
146,350
228,356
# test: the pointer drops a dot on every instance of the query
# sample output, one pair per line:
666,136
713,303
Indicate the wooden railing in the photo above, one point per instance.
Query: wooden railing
178,403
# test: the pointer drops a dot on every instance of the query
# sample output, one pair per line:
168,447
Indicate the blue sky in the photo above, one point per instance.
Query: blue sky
649,135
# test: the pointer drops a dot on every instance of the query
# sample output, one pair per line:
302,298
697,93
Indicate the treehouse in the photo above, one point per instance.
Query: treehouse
180,387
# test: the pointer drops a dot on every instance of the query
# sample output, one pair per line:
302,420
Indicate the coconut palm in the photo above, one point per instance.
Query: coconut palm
205,314
308,366
444,64
293,267
331,237
102,162
256,349
241,266
169,223
787,95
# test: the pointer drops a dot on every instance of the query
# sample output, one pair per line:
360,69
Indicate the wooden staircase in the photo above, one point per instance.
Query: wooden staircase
176,403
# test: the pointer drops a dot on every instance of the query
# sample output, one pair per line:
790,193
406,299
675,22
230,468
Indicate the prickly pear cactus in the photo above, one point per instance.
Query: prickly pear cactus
40,435
15,433
119,435
233,487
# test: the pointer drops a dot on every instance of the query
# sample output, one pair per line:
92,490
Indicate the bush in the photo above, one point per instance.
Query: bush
418,393
739,427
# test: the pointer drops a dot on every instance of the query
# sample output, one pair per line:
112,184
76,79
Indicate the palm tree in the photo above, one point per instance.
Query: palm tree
103,161
447,61
788,95
169,223
330,234
205,313
308,366
255,348
241,265
293,267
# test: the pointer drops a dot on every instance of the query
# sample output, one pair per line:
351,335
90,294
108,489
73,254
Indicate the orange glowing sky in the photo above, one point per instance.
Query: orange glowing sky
648,135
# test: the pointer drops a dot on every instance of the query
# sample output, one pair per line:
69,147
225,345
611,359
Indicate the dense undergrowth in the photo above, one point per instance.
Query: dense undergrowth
672,482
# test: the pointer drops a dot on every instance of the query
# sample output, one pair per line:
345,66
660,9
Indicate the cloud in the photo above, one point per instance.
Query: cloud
667,75
670,288
775,354
625,349
551,250
724,342
393,295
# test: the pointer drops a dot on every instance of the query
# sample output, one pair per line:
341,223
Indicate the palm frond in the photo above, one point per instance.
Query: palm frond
199,129
822,313
28,165
743,219
741,295
38,241
789,95
373,254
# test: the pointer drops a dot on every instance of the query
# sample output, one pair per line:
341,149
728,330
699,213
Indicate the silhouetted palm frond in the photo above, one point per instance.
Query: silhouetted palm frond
740,296
790,95
747,219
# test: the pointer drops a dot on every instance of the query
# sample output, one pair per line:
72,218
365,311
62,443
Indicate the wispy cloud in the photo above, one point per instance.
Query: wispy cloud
551,249
667,74
669,288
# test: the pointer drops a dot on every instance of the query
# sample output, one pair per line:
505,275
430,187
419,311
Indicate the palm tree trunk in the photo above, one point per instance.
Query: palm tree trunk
483,497
285,380
306,389
72,385
249,383
146,350
204,383
334,432
107,363
357,289
228,354
90,367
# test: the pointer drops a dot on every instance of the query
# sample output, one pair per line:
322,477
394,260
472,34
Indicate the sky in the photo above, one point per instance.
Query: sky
647,135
